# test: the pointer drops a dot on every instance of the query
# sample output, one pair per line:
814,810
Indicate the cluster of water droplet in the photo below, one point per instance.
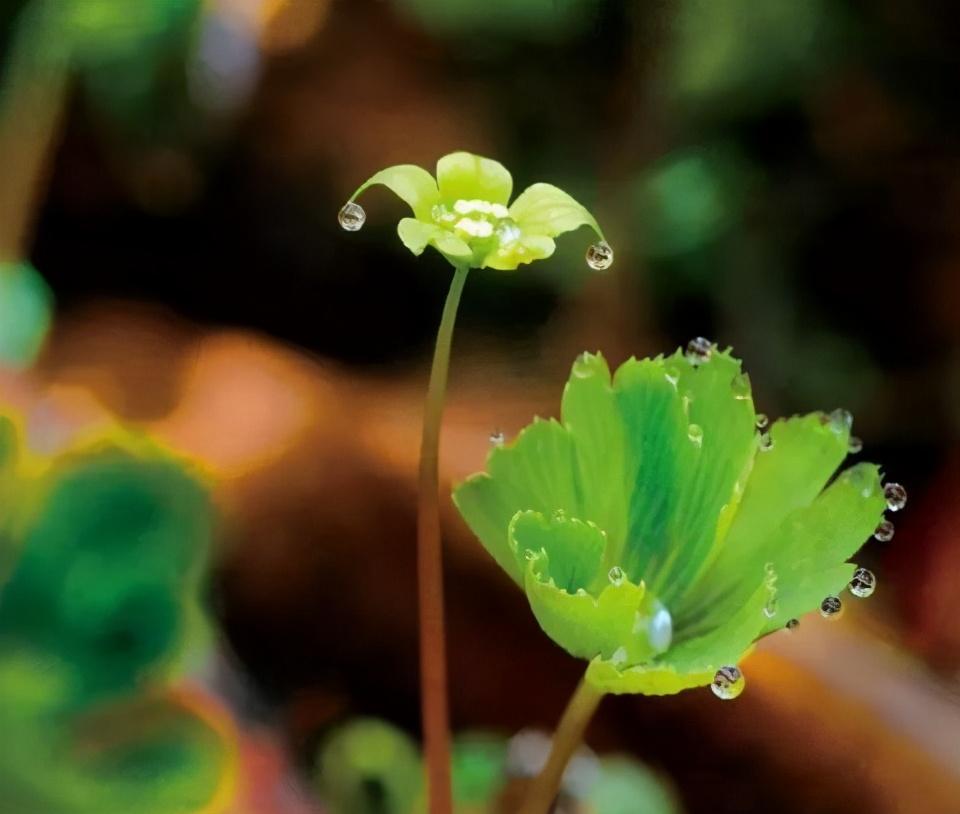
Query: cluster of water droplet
728,683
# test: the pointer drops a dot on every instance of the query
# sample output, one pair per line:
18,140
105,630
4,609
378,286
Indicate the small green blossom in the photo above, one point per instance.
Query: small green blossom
465,215
657,532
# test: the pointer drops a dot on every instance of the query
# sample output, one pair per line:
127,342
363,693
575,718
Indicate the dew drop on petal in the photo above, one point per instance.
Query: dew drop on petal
497,438
615,575
741,386
728,683
863,583
762,421
695,434
884,532
855,445
830,607
770,609
352,217
529,554
792,624
600,256
699,350
896,496
766,442
660,628
841,421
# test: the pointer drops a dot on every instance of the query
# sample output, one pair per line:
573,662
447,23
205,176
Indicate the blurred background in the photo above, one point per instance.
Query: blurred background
782,177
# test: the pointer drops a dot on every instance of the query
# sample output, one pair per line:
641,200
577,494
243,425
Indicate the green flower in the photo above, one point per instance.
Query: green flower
464,214
657,533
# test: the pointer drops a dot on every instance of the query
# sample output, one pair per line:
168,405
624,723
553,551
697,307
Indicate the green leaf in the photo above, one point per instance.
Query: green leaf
543,209
625,786
464,176
413,185
417,235
369,766
26,307
535,472
574,548
478,768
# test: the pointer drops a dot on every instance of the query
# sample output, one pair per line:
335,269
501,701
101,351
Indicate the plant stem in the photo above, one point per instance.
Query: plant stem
580,709
32,101
433,657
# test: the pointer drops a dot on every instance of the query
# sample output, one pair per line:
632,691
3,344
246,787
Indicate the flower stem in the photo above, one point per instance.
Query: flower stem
433,658
32,101
580,709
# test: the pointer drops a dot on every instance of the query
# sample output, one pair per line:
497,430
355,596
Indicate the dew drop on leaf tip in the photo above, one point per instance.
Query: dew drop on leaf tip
352,217
831,607
699,350
600,256
863,583
885,531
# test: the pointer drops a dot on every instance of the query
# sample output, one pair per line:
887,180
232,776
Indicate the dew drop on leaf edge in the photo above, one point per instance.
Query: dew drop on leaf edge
896,496
830,607
728,683
699,350
615,575
792,624
885,531
497,438
863,583
762,421
352,217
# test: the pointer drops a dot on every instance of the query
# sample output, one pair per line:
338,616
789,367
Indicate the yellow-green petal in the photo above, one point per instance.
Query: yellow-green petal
417,235
465,176
412,184
525,249
543,209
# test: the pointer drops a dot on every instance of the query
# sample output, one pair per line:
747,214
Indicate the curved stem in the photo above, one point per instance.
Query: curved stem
433,657
32,102
576,717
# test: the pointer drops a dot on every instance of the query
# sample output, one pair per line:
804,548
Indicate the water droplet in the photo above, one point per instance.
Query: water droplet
559,515
769,572
766,442
529,554
352,217
728,683
619,657
672,375
695,434
497,438
615,575
660,628
896,496
600,256
855,445
830,607
741,386
884,532
770,609
792,624
699,350
762,421
863,584
841,421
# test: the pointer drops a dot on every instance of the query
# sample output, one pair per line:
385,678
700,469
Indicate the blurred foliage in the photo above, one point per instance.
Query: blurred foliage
25,313
368,766
105,547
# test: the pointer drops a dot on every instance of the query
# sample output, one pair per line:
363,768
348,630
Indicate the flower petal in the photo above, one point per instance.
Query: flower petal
535,472
526,249
417,235
620,621
465,176
543,209
413,185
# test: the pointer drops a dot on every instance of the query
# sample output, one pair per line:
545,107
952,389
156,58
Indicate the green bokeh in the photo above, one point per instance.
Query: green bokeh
26,304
